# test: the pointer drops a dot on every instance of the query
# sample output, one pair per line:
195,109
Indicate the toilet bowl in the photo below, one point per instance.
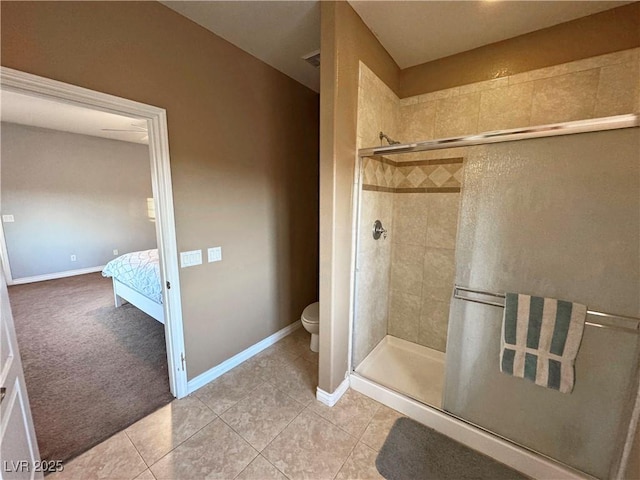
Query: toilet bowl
310,321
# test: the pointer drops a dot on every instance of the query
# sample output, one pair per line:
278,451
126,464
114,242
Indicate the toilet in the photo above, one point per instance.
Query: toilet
311,323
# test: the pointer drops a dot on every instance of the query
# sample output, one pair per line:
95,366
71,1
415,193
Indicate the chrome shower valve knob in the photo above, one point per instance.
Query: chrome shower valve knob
379,230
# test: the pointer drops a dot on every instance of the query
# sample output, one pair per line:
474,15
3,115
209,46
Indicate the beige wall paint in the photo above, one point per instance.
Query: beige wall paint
72,194
633,467
606,32
244,154
345,40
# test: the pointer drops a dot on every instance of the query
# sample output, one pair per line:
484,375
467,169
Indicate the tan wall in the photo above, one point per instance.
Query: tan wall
92,201
345,40
633,467
606,32
244,154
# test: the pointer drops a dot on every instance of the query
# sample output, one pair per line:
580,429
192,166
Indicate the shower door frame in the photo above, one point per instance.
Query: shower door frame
475,436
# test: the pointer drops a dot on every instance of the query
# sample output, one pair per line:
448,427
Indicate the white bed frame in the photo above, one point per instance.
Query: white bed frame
122,293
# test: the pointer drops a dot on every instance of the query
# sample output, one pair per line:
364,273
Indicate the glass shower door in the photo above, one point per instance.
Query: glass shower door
555,217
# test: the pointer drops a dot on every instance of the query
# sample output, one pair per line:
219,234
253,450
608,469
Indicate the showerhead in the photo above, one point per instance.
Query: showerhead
389,140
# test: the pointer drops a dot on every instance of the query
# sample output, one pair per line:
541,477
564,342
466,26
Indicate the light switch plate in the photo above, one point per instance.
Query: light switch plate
7,219
191,258
214,254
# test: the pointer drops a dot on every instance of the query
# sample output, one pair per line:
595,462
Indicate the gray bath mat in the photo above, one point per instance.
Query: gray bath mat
413,451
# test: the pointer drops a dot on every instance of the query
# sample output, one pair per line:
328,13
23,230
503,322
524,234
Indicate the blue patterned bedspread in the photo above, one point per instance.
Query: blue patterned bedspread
138,270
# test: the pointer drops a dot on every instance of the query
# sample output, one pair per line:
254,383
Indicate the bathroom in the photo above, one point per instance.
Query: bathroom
444,217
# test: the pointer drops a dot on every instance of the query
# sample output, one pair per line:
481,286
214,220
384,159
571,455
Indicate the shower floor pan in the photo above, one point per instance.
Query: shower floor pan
407,368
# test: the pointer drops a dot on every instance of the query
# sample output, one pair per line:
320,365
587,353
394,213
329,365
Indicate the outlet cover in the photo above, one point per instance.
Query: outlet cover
73,258
7,219
190,258
215,254
115,251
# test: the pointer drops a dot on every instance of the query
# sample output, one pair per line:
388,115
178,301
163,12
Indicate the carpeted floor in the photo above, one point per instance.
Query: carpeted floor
91,369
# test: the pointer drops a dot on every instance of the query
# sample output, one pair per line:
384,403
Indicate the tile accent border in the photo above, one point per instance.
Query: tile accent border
222,368
374,188
437,161
442,175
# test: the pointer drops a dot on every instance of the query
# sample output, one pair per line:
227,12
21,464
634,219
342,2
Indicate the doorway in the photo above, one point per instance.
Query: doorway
155,120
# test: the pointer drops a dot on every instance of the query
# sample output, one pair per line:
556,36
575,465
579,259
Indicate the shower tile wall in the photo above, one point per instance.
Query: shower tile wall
423,266
593,87
424,198
373,276
378,110
590,88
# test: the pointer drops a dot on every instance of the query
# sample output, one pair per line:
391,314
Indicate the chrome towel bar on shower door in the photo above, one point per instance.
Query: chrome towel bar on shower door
497,300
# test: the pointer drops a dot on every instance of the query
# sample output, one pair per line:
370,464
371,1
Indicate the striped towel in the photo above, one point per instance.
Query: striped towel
540,339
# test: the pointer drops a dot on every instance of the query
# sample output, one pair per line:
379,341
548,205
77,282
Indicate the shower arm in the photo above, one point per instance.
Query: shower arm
391,141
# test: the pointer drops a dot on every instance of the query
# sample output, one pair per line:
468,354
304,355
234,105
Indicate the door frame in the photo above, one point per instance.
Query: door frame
156,118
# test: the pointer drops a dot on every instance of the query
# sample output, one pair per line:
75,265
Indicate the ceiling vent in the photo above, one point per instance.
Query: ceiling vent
312,58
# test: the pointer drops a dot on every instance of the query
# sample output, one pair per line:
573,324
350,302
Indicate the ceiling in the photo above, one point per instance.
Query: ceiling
418,32
280,33
40,112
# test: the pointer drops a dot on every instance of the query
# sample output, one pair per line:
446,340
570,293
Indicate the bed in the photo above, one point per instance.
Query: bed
136,279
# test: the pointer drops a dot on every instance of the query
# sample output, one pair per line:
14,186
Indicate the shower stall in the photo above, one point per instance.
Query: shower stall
445,227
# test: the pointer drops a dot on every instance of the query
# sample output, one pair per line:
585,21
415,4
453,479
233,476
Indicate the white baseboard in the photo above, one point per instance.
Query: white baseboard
213,373
330,399
56,275
516,457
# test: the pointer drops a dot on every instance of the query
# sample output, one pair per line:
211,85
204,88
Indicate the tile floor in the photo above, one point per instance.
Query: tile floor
258,421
